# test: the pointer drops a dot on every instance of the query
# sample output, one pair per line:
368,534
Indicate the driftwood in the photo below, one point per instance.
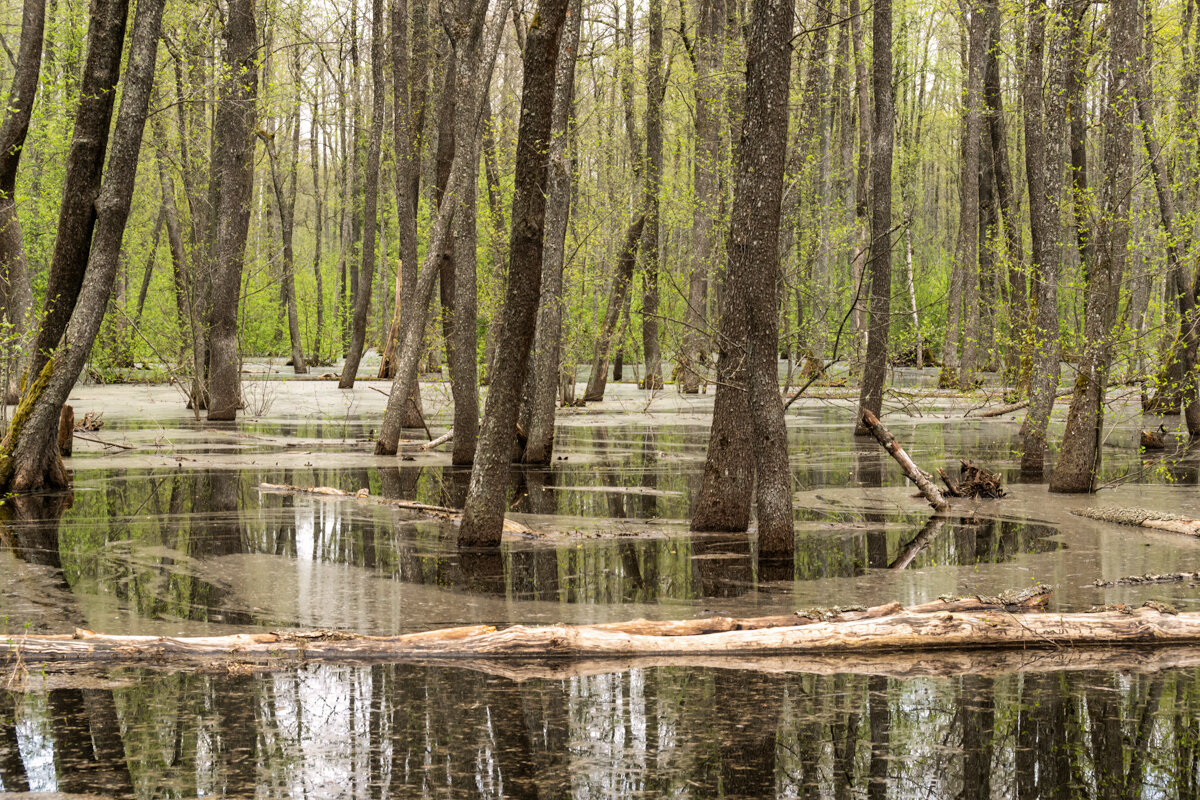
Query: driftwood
1138,580
1143,518
922,479
883,630
435,512
973,481
92,421
441,440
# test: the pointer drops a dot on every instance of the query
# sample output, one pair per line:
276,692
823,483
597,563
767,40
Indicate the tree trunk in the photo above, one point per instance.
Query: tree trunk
883,128
16,294
1079,455
85,168
547,343
968,243
598,377
233,167
483,513
286,223
652,379
1044,128
461,180
29,459
318,226
366,273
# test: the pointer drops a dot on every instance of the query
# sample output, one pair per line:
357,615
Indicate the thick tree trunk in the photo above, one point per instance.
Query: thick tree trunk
16,293
366,273
483,513
618,292
85,168
883,125
233,167
29,459
547,344
286,228
652,379
1079,455
404,385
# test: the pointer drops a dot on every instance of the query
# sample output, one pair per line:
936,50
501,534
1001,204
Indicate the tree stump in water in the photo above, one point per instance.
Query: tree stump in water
66,430
973,481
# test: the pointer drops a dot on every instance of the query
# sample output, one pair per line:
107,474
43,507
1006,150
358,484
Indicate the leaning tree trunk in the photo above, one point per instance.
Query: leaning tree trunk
29,456
233,167
483,513
16,294
883,127
1079,456
547,345
84,170
1044,129
286,222
598,376
408,356
754,253
366,273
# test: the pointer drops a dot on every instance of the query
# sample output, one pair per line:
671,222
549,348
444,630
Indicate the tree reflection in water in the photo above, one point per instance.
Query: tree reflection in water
415,731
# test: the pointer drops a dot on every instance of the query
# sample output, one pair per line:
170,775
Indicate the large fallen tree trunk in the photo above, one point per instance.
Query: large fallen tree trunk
895,631
1143,518
424,509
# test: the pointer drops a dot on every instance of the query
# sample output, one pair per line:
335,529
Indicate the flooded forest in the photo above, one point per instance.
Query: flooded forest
600,399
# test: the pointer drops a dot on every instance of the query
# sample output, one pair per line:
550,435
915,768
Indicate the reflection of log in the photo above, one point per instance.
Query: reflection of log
1142,518
901,631
919,543
923,480
436,512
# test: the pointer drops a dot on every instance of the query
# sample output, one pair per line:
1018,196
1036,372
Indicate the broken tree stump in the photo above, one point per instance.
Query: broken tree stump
66,430
1142,518
922,479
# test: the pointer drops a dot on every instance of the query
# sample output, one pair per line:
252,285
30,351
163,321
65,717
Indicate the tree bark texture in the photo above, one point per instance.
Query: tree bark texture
967,253
651,247
547,344
1079,455
29,459
483,513
233,168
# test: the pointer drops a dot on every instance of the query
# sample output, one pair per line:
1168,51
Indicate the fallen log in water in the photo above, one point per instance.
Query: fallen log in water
922,479
1142,518
897,631
436,512
1138,580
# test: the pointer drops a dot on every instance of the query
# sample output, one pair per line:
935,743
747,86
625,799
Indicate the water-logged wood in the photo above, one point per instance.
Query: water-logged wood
437,512
899,631
922,479
1143,518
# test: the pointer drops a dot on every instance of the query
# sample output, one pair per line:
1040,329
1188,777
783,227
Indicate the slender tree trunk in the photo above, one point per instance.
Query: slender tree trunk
547,343
861,220
968,243
651,249
1045,123
16,293
461,180
233,131
366,273
85,167
148,272
1079,455
318,227
883,127
286,227
483,513
29,457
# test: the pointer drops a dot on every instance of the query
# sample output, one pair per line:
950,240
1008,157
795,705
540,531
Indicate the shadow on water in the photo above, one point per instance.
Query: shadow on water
403,731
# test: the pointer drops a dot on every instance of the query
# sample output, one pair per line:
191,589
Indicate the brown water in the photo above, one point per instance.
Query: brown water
175,537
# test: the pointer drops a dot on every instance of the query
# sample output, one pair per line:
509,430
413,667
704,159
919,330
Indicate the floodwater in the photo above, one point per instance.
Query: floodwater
175,537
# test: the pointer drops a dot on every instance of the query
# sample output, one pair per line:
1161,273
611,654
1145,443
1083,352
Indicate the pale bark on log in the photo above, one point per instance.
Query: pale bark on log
1142,518
922,479
902,631
439,441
